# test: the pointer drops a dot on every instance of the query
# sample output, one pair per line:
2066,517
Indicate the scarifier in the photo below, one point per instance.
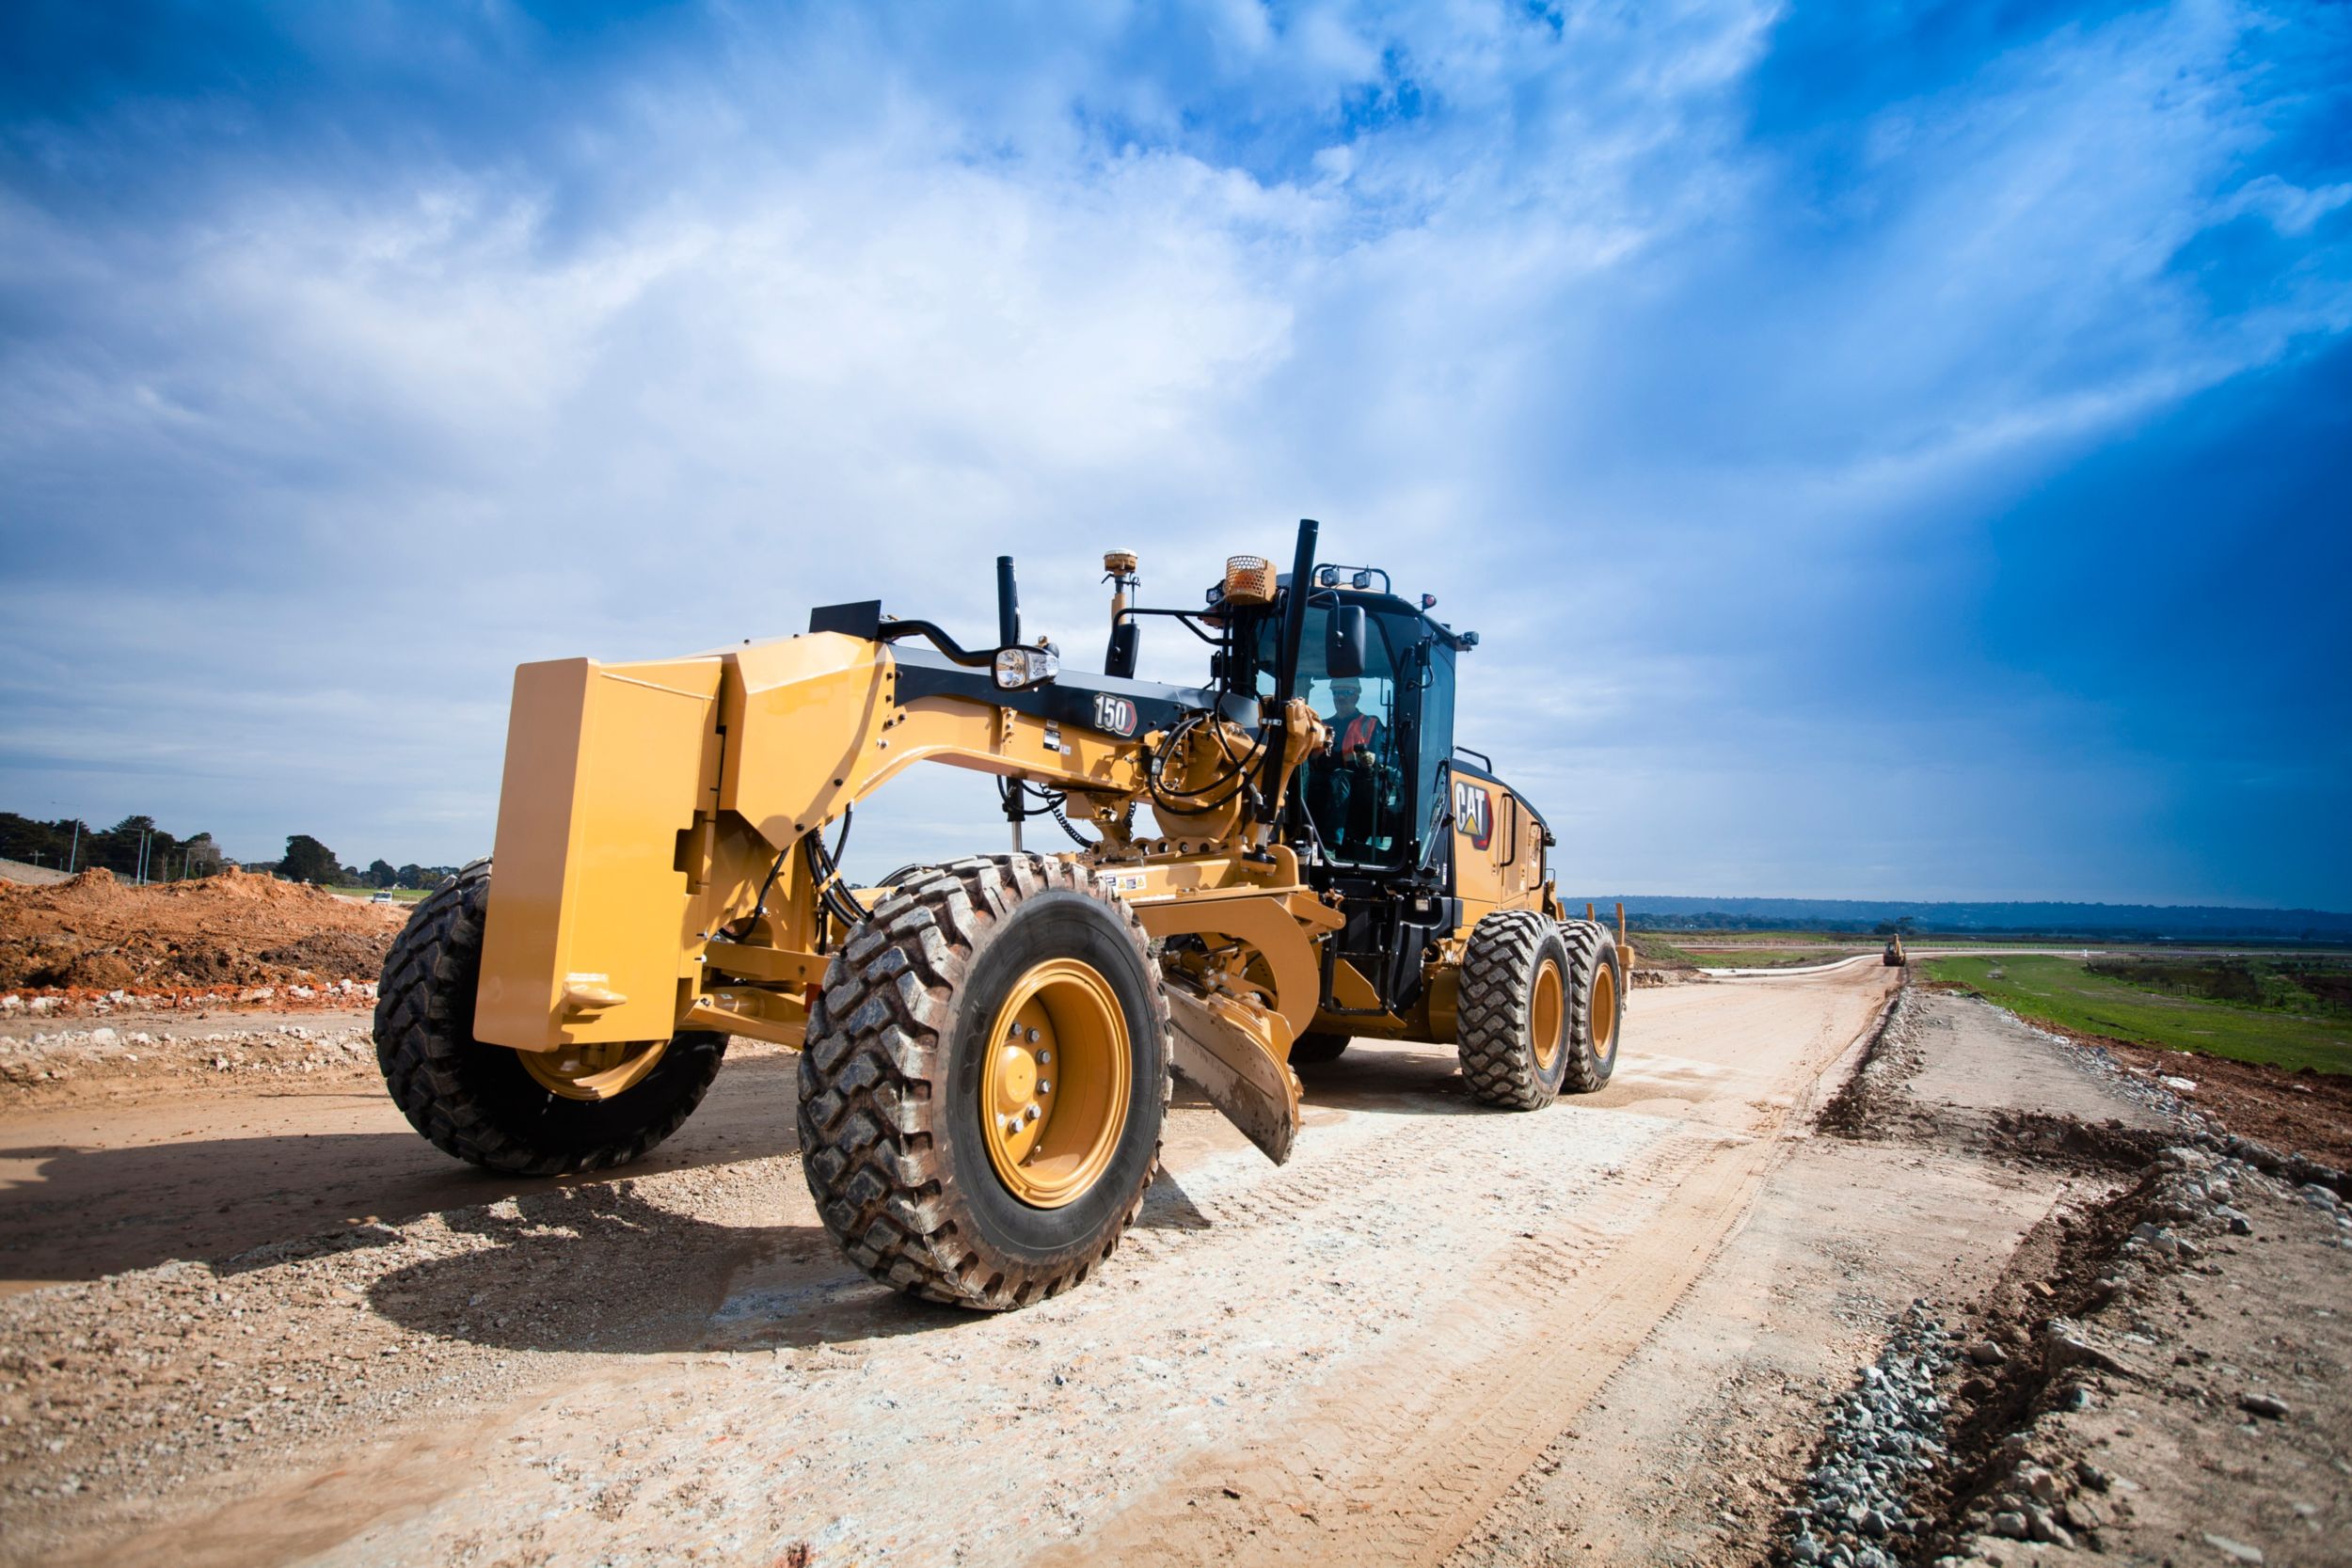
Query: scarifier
986,1044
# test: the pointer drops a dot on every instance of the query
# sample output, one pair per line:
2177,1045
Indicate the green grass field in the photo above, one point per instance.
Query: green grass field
399,895
2061,993
1657,949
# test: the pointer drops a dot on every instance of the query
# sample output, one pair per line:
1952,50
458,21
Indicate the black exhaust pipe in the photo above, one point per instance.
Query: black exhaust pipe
1294,609
1293,634
1008,604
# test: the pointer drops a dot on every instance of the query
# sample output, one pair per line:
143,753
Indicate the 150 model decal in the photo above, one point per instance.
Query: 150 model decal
1115,714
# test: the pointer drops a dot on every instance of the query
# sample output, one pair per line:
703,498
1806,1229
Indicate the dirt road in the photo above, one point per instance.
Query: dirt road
1338,1351
288,1330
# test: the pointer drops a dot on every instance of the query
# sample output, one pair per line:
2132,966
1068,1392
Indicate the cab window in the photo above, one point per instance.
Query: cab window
1360,793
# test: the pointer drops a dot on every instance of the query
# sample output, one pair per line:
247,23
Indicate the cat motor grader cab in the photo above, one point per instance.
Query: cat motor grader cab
986,1045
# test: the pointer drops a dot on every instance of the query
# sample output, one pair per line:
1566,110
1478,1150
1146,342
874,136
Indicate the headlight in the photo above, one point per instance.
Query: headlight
1020,667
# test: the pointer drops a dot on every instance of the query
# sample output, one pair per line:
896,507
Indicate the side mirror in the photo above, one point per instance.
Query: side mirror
1343,644
1121,658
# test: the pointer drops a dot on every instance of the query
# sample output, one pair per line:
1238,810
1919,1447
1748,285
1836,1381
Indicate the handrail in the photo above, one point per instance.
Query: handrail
893,629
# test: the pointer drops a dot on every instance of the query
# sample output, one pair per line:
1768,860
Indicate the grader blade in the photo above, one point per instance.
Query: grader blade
1229,1050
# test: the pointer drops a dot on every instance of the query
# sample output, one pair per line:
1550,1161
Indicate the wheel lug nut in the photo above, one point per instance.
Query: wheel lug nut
1032,1036
1046,1086
1044,1058
1030,1114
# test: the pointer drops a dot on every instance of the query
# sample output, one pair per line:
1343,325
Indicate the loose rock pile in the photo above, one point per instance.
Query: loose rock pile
1885,1433
47,1059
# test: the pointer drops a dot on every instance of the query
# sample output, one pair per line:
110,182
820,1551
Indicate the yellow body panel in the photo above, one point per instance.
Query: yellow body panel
813,725
1497,850
605,769
643,805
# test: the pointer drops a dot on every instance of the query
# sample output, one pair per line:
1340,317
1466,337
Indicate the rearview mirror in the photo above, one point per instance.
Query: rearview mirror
1121,659
1343,644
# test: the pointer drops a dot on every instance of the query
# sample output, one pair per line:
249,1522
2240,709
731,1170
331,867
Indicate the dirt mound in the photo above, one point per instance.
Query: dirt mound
234,929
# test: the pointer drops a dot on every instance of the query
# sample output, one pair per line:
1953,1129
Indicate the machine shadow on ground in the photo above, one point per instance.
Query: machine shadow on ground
1399,1077
599,1268
596,1267
94,1212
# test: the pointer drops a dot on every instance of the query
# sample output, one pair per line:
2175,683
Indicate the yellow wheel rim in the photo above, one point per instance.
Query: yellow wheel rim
593,1071
1604,1012
1055,1084
1548,1014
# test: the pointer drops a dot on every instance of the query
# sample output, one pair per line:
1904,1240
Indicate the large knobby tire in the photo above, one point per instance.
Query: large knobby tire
1596,1004
1512,1024
904,1073
1314,1048
480,1102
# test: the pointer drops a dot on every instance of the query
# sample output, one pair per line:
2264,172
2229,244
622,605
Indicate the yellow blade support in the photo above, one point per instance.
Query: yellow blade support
1239,1055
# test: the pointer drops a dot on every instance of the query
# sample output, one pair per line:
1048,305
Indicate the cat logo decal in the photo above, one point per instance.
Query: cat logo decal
1473,812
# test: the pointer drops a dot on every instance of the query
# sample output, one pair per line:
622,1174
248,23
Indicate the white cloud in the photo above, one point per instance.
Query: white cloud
844,316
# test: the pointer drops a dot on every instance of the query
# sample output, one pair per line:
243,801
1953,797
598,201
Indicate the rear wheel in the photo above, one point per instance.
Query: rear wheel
984,1082
1596,1004
530,1112
1311,1049
1514,1010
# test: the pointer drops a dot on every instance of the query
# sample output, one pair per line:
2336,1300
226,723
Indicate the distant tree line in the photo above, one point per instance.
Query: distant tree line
130,847
135,841
308,861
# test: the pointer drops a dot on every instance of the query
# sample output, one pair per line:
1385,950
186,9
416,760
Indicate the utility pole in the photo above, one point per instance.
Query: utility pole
75,849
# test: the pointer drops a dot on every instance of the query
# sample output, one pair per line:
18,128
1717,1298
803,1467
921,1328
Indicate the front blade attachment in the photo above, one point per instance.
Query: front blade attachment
1235,1053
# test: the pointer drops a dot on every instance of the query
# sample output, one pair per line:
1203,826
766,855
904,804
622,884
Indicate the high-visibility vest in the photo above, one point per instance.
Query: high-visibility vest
1362,731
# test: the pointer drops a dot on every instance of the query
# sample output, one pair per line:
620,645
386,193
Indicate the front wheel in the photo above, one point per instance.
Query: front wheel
984,1082
526,1113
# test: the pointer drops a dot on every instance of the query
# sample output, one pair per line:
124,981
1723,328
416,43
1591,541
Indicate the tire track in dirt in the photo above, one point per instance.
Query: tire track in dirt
1417,1463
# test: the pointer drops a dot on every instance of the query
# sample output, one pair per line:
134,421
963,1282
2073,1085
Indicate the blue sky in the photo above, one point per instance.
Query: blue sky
1888,451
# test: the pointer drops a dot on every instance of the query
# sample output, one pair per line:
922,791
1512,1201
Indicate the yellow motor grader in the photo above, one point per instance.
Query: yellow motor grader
1295,854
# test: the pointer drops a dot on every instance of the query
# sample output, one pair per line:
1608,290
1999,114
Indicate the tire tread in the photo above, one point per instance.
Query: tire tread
871,1091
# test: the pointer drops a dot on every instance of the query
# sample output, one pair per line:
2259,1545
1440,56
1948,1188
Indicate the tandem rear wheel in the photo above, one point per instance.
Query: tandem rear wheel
984,1082
1539,1010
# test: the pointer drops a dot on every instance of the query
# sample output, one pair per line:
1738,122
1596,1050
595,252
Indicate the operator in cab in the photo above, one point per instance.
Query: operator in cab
1346,787
1354,735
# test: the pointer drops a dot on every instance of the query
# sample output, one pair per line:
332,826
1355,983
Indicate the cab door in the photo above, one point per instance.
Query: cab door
1498,848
